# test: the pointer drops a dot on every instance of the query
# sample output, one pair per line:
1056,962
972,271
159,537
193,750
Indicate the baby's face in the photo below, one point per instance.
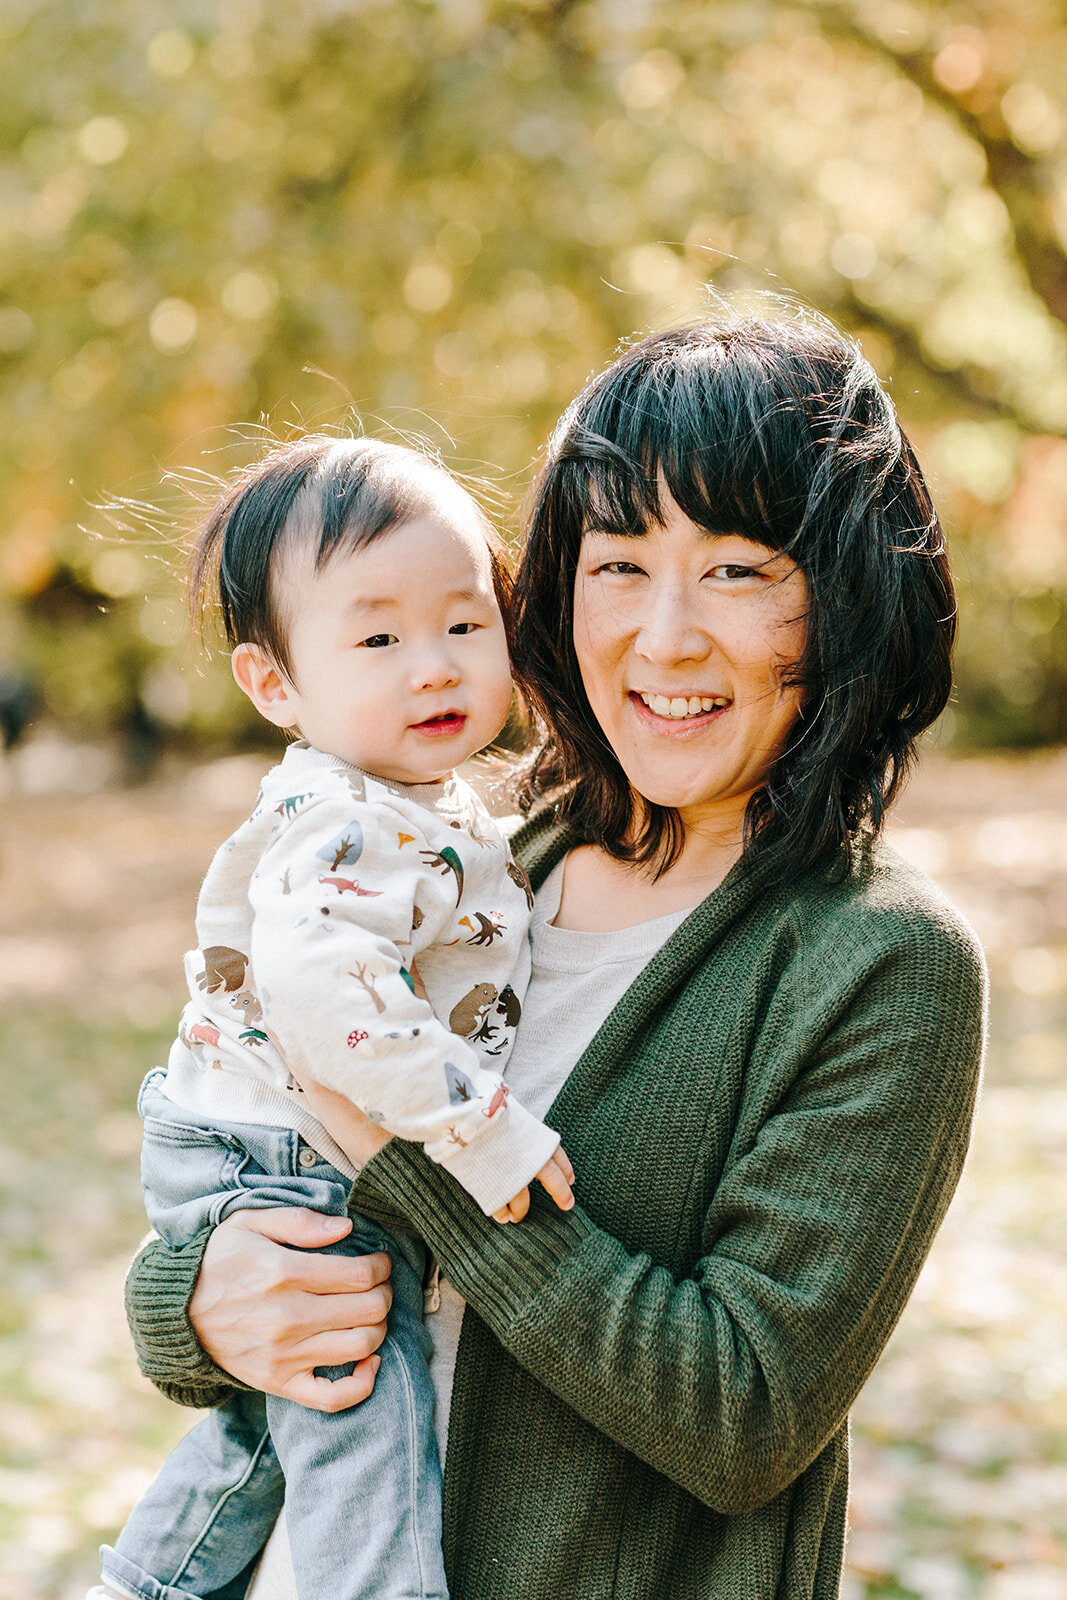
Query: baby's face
399,658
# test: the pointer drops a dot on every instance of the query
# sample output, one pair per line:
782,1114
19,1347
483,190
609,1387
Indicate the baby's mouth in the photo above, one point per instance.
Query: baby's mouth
446,722
679,707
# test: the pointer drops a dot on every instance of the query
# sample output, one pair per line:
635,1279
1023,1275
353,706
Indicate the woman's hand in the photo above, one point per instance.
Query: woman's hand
269,1315
358,1136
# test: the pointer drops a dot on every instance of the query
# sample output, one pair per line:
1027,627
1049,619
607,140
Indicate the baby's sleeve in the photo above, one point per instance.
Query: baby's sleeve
341,898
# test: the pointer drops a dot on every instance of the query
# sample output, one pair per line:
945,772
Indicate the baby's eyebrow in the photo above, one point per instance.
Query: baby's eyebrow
385,602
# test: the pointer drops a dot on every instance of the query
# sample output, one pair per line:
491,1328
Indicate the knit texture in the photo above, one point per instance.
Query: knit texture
652,1391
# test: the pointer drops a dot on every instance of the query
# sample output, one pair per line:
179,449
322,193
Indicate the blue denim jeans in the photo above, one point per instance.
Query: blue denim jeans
361,1488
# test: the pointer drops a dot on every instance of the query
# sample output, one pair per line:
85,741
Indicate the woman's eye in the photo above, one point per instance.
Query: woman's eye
621,569
378,641
732,572
464,627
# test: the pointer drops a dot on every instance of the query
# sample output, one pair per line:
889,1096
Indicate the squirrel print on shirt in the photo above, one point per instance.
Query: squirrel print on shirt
521,881
468,1015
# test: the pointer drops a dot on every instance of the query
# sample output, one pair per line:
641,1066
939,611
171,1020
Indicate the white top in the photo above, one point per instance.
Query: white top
312,923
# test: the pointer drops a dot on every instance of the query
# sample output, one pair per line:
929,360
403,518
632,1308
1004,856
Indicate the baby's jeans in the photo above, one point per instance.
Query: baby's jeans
362,1487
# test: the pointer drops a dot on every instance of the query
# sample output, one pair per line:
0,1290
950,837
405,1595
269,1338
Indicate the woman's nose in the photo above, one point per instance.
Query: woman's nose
670,627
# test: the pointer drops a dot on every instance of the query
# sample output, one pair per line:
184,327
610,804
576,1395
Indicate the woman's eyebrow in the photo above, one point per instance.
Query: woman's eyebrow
597,532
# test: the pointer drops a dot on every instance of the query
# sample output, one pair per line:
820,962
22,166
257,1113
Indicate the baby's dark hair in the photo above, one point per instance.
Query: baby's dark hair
338,493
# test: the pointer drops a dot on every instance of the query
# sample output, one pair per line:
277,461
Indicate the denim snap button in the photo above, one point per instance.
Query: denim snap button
307,1157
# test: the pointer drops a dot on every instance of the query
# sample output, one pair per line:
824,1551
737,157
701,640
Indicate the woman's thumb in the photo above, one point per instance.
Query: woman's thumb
294,1225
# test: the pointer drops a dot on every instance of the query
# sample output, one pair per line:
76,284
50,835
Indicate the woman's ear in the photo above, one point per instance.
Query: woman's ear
265,685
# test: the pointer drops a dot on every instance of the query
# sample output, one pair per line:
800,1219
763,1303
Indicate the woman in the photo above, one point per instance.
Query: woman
758,1029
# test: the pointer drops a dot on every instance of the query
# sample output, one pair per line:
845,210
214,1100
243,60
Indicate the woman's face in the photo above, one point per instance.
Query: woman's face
682,637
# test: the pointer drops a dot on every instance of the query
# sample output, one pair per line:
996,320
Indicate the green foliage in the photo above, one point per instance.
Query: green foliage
441,215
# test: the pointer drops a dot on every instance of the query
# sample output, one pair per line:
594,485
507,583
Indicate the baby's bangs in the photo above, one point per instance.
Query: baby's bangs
357,493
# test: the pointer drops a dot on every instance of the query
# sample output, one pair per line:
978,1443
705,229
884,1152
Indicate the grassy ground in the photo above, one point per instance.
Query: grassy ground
961,1435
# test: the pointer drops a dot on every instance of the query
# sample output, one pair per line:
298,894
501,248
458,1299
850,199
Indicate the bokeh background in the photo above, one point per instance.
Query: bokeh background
224,218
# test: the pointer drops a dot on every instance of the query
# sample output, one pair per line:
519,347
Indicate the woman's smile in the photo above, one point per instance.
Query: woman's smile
680,712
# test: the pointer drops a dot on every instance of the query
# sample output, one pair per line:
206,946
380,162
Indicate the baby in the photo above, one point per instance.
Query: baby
365,927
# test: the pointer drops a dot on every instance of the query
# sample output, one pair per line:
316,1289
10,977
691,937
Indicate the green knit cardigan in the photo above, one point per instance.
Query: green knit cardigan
652,1390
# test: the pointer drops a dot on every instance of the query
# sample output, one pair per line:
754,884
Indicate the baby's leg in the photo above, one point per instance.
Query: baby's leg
363,1486
201,1525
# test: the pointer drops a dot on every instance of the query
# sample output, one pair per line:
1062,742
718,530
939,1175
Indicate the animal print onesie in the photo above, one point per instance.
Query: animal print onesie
312,921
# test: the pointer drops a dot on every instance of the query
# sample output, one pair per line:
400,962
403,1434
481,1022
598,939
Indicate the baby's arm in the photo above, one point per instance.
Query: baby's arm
332,950
556,1176
361,1141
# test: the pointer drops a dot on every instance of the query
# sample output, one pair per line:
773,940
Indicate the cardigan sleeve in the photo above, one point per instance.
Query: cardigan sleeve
159,1286
731,1380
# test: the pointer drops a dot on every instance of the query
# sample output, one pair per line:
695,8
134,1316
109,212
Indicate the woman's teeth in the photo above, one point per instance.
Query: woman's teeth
674,706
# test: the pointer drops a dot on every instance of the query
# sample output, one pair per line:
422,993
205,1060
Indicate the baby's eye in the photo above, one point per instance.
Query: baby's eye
378,641
464,627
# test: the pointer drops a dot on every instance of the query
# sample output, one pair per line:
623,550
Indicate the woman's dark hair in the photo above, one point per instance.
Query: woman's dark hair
778,431
337,493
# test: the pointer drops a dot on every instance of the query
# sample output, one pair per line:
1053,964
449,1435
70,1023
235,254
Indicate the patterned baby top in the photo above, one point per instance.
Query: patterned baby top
322,923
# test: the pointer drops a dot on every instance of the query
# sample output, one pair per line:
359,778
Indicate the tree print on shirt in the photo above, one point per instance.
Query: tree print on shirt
344,849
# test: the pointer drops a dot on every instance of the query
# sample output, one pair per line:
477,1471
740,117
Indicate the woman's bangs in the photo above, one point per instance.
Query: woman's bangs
609,494
722,493
653,428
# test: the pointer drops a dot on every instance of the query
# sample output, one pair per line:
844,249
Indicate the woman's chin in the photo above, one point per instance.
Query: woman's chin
697,801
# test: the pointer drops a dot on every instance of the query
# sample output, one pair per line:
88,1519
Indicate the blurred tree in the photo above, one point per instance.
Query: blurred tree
443,214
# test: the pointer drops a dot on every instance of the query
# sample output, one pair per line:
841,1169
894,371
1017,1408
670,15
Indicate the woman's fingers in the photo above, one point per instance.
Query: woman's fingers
563,1161
340,1347
269,1306
334,1394
331,1276
292,1225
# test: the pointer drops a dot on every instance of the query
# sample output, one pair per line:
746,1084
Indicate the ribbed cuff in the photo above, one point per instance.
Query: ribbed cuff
507,1155
497,1266
159,1286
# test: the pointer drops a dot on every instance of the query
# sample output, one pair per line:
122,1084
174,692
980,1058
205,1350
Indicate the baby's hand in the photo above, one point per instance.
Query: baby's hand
556,1176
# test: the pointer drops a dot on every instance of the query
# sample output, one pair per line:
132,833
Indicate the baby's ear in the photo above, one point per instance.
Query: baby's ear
263,681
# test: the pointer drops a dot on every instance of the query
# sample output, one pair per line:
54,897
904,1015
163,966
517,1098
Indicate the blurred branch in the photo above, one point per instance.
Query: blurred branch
1018,178
958,384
